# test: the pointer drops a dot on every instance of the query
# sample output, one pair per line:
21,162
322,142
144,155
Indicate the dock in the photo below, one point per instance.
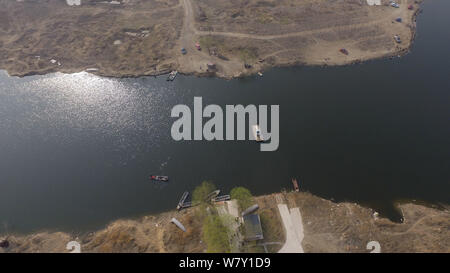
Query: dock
182,201
221,198
212,195
185,205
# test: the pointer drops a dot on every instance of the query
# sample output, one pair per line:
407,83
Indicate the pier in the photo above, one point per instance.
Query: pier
181,203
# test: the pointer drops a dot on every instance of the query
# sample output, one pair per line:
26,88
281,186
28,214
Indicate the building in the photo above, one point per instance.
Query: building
252,227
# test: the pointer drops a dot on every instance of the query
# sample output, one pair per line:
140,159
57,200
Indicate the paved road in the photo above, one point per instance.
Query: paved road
293,225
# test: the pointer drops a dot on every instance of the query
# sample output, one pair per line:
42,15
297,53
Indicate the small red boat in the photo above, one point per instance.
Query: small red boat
162,178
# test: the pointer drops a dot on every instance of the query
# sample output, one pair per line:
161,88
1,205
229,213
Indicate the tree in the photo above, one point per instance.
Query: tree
215,235
202,191
243,196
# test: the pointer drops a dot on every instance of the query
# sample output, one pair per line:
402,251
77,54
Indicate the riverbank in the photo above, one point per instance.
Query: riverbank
138,38
328,227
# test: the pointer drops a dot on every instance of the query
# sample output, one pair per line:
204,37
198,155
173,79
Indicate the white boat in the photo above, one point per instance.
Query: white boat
178,224
172,75
257,133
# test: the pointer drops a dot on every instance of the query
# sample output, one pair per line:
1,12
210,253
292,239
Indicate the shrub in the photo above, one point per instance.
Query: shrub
202,191
243,197
215,235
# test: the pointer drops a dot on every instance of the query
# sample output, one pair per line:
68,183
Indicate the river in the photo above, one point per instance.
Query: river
76,150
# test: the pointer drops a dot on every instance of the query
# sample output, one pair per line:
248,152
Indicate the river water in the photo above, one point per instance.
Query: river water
76,150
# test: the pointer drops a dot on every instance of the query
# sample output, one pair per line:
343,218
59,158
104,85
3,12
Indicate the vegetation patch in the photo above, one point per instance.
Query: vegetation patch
215,235
243,196
201,193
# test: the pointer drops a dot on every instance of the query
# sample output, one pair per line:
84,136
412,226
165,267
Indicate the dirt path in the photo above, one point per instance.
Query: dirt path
417,223
187,35
191,25
196,60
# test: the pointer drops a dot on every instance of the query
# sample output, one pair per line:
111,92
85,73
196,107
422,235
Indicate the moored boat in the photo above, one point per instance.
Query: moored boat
212,195
182,202
295,183
172,75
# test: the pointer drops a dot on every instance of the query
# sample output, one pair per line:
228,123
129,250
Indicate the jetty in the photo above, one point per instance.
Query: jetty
221,198
212,195
182,202
185,205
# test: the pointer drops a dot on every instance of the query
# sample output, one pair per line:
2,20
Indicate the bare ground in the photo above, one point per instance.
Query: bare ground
328,227
141,37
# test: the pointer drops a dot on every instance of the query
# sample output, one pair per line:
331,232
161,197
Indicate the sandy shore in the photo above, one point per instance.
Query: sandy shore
136,38
327,227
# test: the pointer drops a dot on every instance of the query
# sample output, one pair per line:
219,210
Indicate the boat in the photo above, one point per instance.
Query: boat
185,205
161,178
295,183
221,198
212,195
257,133
344,51
172,75
250,209
260,74
182,202
178,224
